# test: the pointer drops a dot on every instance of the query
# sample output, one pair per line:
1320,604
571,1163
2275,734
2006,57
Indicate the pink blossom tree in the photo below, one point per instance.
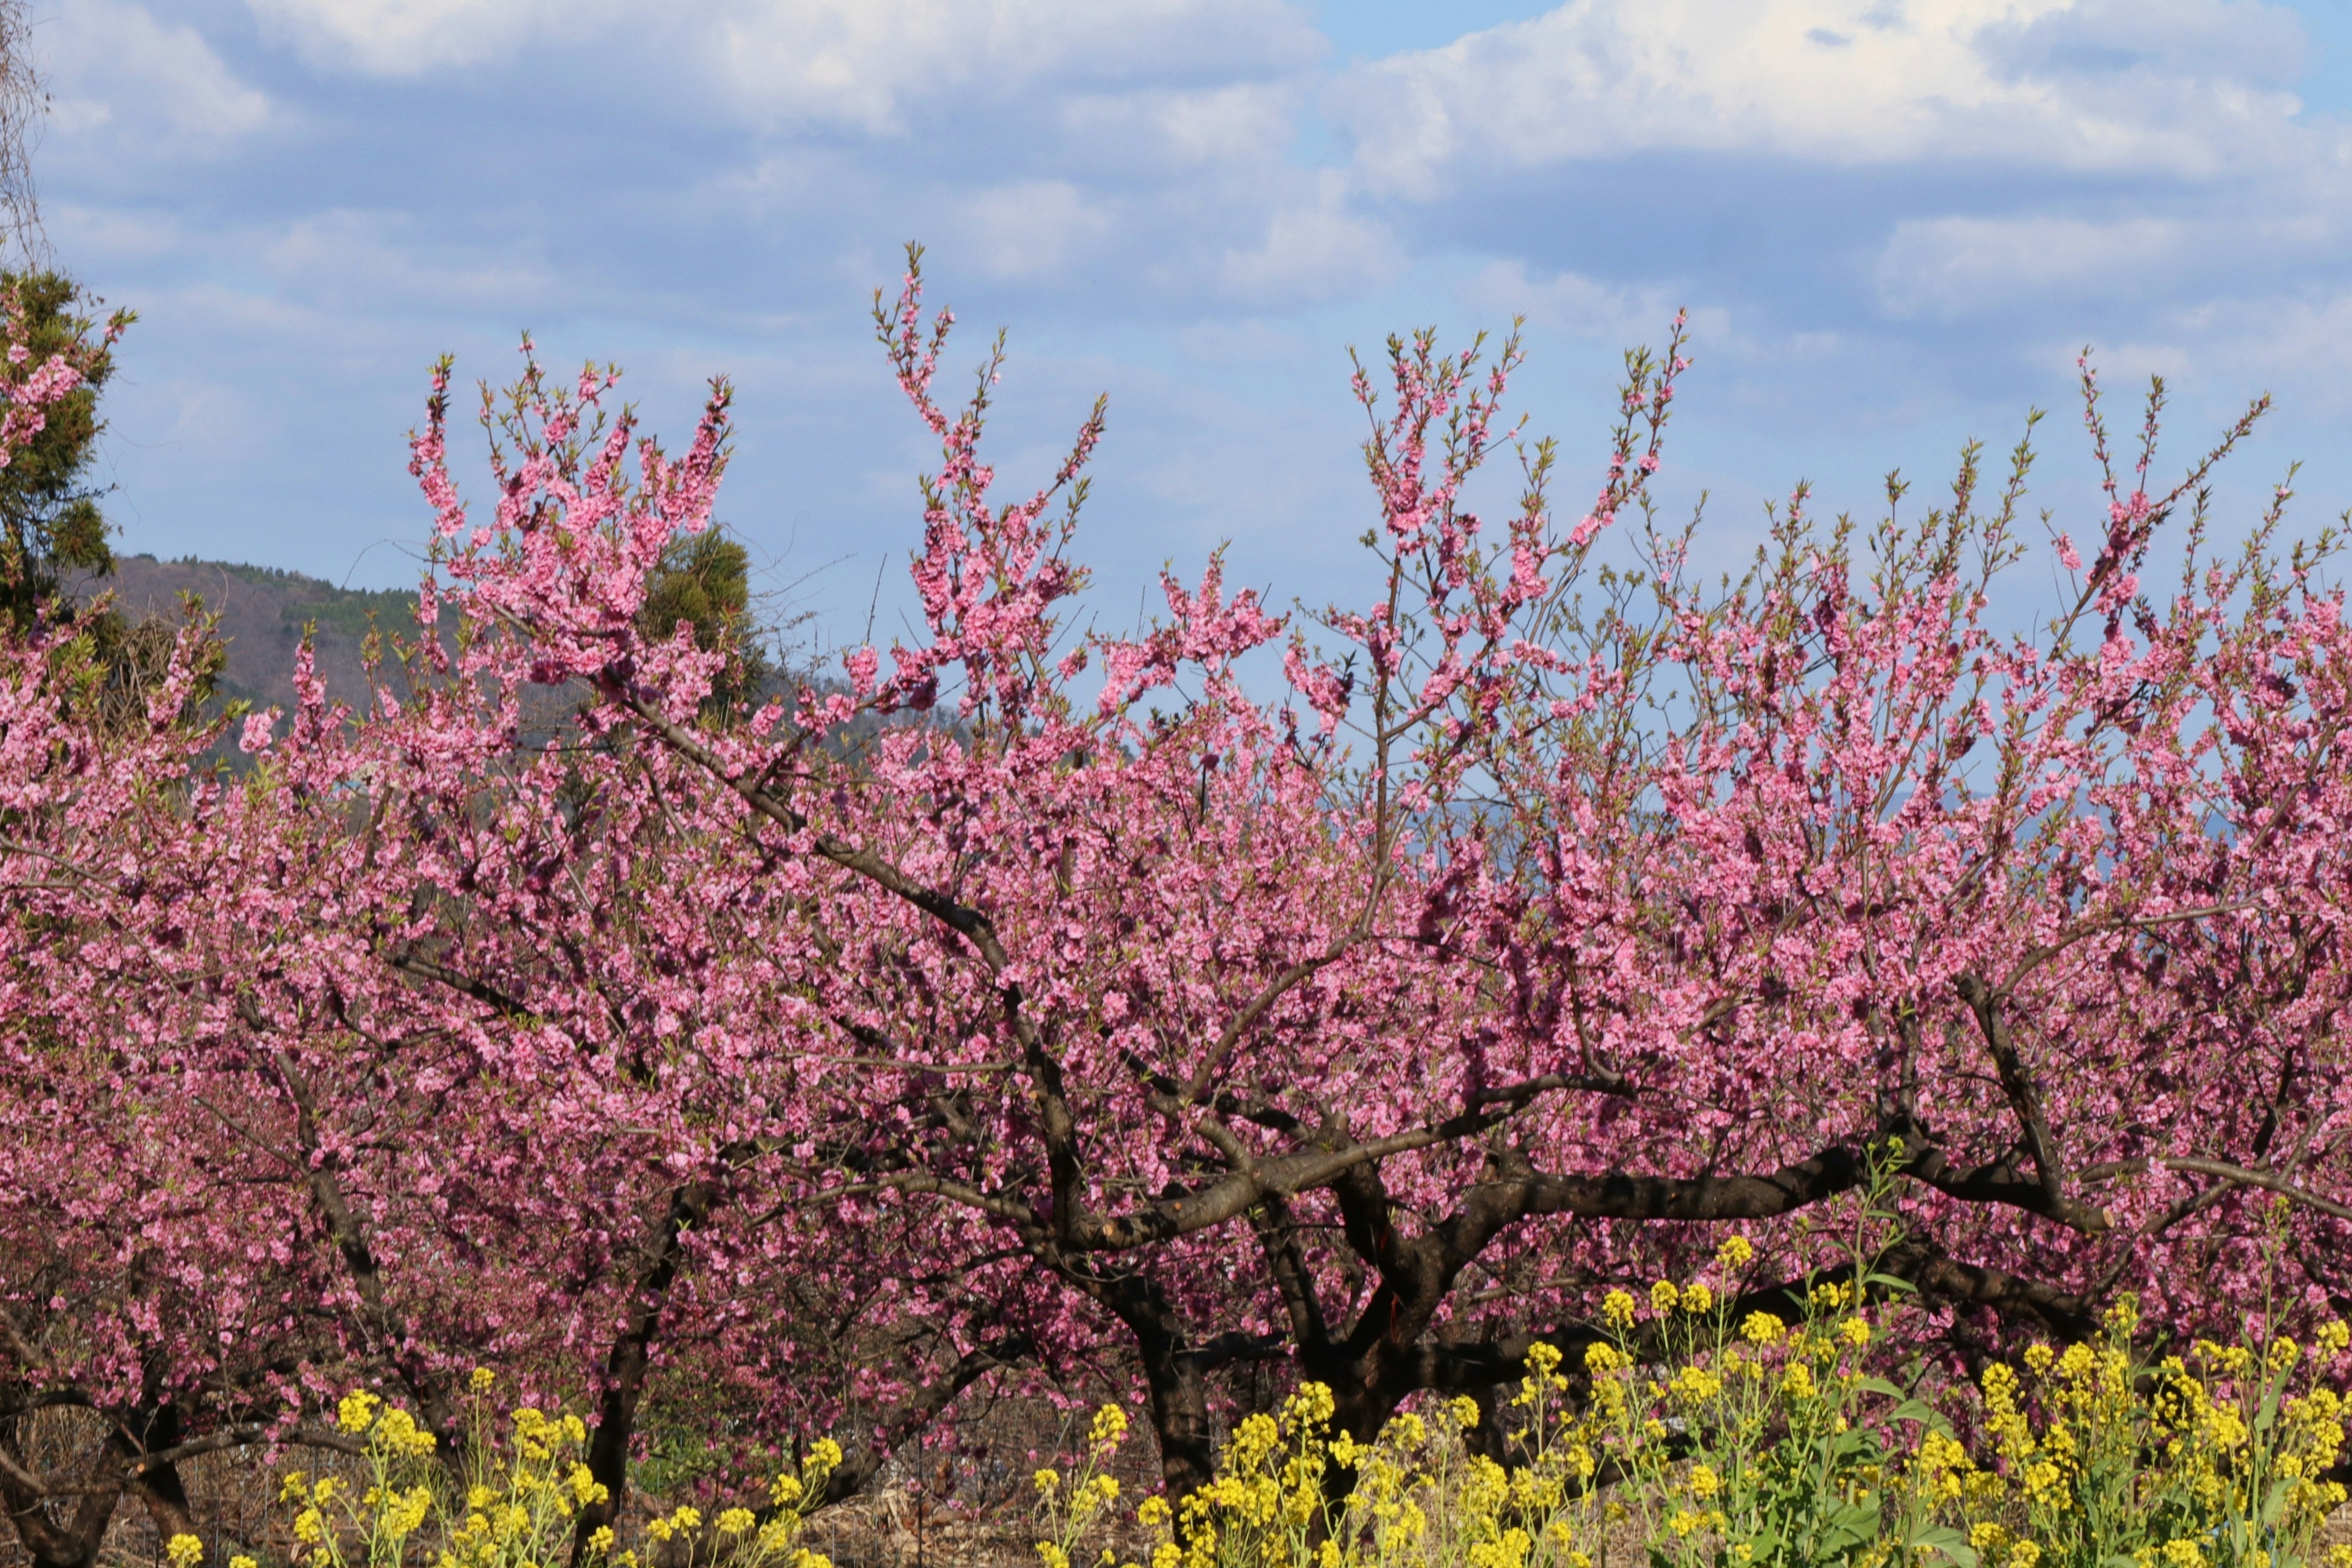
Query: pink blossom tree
1035,1005
1554,922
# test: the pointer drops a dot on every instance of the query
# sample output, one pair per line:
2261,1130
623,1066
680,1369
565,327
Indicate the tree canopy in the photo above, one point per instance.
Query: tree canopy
1100,1018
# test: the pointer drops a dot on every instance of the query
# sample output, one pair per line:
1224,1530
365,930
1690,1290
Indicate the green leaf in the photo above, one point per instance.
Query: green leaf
1952,1542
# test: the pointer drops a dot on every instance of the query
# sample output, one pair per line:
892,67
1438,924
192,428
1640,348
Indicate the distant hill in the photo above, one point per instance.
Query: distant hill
263,612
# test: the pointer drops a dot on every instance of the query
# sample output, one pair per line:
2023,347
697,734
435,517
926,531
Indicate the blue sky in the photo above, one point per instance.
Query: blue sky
1893,222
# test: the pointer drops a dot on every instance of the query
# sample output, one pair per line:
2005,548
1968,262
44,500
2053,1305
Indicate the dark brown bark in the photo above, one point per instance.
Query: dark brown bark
347,1228
51,1542
1179,1395
90,1497
860,1465
159,1485
631,1357
1382,1360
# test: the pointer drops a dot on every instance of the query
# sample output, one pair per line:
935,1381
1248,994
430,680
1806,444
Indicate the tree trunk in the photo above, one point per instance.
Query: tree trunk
1180,1410
631,1359
74,1543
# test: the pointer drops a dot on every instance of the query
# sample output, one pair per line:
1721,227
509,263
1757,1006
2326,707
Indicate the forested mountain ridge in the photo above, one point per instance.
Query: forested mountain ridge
264,612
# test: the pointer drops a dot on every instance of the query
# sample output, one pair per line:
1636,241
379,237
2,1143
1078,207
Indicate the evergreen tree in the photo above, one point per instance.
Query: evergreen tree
50,524
704,579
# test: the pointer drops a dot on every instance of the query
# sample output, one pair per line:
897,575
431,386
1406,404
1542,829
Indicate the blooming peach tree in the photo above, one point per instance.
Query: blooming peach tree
1038,1005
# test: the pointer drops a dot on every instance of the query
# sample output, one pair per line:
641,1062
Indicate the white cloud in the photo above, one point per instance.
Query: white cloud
860,62
849,63
1311,247
2062,83
1248,341
1589,308
1033,229
340,259
403,37
1186,128
2296,342
118,73
1949,266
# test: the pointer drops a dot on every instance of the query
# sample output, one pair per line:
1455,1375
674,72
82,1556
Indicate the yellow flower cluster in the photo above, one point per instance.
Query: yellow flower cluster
1069,1512
2213,1460
1756,1443
519,1505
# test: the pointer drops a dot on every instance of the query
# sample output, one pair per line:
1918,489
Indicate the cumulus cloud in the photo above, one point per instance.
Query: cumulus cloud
1312,246
2267,341
862,62
1590,308
1949,266
1033,228
404,38
2040,83
344,259
1174,129
119,74
1833,186
853,64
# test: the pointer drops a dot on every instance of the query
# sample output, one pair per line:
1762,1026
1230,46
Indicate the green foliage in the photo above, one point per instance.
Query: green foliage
50,524
704,580
111,667
51,529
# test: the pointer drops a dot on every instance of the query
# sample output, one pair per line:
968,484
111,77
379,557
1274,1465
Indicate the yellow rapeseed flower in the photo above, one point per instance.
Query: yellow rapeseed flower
1664,1297
1696,1385
1617,1309
1735,1252
184,1551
